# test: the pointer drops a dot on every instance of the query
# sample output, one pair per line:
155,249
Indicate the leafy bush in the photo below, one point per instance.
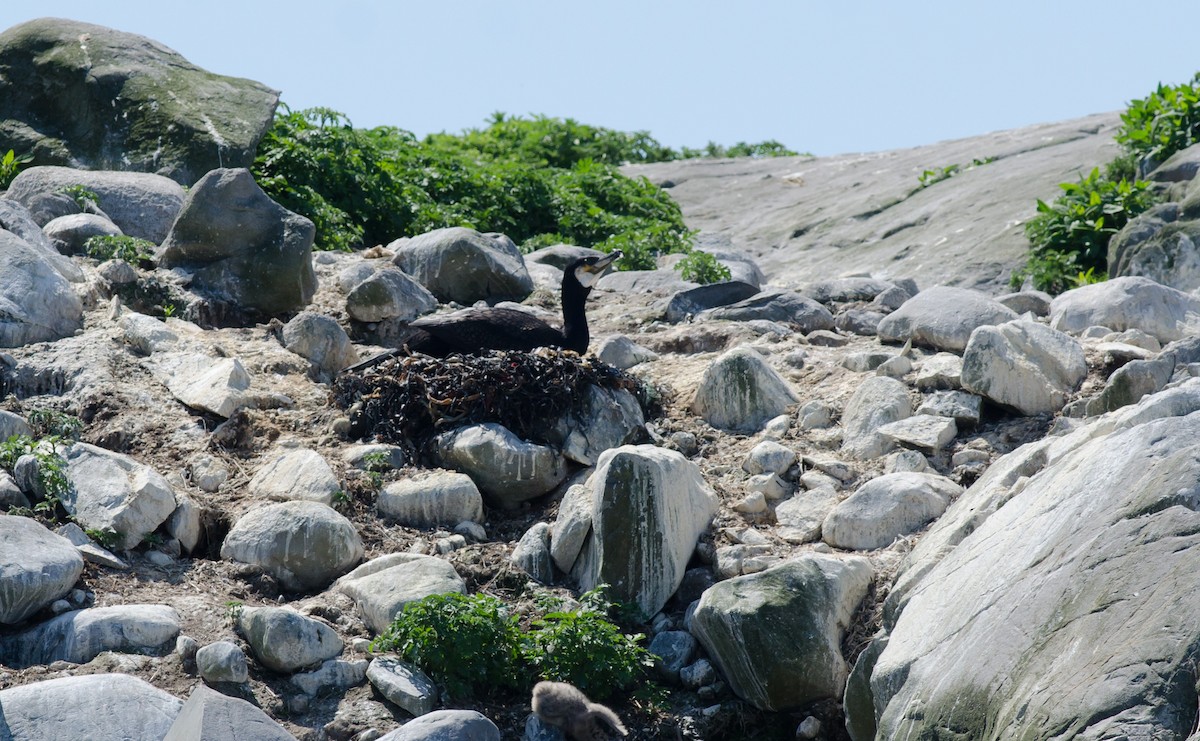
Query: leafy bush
10,166
583,648
82,196
372,186
473,646
133,250
768,148
469,643
1163,123
703,268
1070,236
53,422
52,473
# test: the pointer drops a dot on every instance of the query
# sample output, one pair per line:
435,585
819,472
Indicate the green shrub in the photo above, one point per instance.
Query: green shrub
51,467
133,250
55,423
768,148
473,646
82,196
583,648
469,643
10,166
1163,123
703,268
1070,235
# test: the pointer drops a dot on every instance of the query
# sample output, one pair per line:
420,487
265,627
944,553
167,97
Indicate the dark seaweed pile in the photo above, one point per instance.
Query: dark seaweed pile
406,400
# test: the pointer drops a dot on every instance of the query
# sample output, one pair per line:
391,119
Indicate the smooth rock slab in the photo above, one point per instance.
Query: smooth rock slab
801,516
879,400
305,545
785,307
925,432
332,675
209,715
204,383
776,635
96,707
37,304
446,725
36,568
501,464
964,408
383,586
80,636
389,294
739,391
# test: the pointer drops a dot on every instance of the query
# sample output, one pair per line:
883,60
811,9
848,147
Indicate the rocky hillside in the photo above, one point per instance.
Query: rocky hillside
848,495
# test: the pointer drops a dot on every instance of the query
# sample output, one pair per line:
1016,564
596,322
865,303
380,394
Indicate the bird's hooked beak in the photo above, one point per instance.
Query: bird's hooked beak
604,262
588,274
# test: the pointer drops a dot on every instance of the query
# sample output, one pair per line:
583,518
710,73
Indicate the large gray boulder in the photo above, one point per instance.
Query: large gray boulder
1131,382
17,219
446,725
37,303
241,247
69,234
284,640
305,545
740,391
389,293
502,465
80,636
605,418
431,499
295,474
91,97
98,707
1125,303
1065,543
209,715
649,506
459,264
888,507
383,586
776,635
320,340
877,401
943,318
785,307
142,204
113,492
36,568
1023,365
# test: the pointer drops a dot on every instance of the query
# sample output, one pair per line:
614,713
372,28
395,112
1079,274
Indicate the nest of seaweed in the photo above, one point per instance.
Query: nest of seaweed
406,400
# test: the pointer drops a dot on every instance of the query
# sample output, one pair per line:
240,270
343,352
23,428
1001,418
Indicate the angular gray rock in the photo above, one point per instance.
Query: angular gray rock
877,401
941,371
320,340
403,685
123,101
769,457
17,219
649,506
532,554
502,465
209,715
1023,365
1131,382
383,586
305,545
145,334
943,318
389,293
141,204
1063,543
776,635
111,491
621,352
1128,303
842,290
222,661
800,517
785,307
294,474
686,304
740,391
605,418
431,499
241,247
37,303
673,650
925,432
80,636
459,264
202,382
964,408
887,507
446,725
36,568
97,707
284,640
331,676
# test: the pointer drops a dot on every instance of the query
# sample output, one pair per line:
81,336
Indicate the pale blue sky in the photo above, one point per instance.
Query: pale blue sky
828,77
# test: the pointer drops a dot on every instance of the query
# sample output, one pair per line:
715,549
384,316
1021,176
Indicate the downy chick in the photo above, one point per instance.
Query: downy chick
563,705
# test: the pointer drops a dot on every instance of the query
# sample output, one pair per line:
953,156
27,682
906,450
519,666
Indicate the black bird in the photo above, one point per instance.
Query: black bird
474,331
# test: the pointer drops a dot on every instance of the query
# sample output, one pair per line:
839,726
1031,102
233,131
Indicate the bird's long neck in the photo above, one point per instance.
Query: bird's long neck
575,328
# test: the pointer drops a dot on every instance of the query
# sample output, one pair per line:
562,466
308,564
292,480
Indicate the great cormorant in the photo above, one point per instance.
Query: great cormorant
472,331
